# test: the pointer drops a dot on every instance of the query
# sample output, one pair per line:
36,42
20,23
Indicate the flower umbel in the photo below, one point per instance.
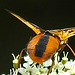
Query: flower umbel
64,67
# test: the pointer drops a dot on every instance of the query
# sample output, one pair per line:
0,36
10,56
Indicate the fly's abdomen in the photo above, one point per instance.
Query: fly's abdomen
42,47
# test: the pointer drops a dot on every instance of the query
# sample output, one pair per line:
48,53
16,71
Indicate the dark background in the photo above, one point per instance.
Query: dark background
48,14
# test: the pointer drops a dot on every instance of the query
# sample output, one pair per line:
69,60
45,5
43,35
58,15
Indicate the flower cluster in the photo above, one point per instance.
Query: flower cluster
63,67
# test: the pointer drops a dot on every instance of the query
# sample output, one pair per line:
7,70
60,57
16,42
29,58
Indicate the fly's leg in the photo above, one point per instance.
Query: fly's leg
51,65
19,60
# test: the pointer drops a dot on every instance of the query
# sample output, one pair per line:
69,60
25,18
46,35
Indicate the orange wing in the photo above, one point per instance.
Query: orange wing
35,28
63,33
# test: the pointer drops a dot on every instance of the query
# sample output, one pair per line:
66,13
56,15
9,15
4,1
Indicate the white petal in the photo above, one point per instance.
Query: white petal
22,70
47,63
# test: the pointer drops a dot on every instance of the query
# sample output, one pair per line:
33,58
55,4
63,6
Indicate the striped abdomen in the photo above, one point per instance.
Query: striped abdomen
42,47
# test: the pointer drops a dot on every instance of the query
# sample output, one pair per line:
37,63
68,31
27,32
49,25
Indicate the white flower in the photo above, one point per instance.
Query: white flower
64,67
15,61
28,59
28,63
22,70
72,71
64,73
64,59
70,66
35,71
47,63
53,72
43,70
28,69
